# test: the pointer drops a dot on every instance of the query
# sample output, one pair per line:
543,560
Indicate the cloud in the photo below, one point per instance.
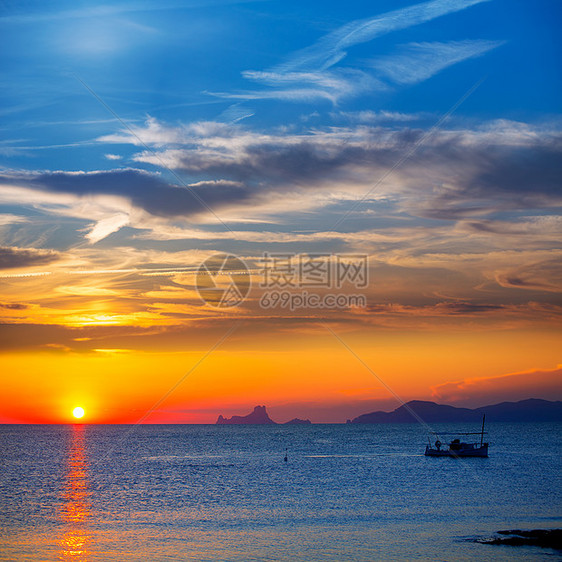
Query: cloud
20,189
383,116
151,132
445,310
453,175
146,287
11,258
417,62
332,48
107,226
310,74
14,306
522,171
540,275
235,113
332,85
7,219
144,190
113,156
535,383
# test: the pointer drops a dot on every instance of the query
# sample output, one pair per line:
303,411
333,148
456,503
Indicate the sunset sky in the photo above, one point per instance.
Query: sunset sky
140,138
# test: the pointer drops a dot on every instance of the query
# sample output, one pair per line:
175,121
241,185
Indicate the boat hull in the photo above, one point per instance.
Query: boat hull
476,452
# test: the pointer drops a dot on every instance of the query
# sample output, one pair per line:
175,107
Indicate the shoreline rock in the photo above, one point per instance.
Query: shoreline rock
544,538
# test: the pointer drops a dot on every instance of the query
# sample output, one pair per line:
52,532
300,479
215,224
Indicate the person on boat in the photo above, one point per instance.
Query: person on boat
455,445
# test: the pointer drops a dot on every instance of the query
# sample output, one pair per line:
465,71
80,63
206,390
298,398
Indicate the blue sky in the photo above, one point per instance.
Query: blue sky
267,110
265,64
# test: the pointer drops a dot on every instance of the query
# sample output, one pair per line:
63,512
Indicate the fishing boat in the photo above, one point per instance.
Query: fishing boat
458,447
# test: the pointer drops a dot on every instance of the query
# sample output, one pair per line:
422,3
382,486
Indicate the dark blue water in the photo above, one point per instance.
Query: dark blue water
347,492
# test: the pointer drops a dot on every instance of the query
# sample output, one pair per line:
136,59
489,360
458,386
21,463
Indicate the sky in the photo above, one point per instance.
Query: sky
140,139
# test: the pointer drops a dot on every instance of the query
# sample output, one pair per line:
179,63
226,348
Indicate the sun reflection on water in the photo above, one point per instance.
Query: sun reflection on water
76,510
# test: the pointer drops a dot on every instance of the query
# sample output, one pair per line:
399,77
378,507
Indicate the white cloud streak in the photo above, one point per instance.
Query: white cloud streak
417,62
331,48
109,212
307,75
7,219
103,228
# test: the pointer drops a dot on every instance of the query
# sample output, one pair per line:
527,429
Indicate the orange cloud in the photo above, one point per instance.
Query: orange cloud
535,383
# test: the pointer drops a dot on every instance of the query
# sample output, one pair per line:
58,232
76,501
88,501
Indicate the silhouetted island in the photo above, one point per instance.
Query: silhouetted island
531,410
298,421
258,416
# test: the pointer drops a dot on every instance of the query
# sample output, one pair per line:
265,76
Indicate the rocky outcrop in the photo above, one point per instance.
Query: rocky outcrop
258,416
545,538
297,421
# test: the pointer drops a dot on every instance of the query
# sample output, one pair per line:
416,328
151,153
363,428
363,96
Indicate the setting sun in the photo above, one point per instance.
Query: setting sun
78,412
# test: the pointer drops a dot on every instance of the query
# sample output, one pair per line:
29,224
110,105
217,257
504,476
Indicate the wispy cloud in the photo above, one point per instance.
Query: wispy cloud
417,62
235,113
383,116
310,74
332,85
7,219
331,48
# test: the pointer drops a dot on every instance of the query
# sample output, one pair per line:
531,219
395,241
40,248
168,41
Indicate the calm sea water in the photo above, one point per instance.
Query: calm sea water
347,492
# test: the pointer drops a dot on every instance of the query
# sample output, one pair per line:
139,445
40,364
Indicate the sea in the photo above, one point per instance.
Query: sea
207,492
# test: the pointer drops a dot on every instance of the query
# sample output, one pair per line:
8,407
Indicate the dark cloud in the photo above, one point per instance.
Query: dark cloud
145,190
468,308
521,170
442,308
17,257
543,275
482,171
271,165
29,336
13,306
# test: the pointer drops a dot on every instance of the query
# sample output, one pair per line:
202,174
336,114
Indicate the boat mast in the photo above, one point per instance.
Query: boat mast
482,437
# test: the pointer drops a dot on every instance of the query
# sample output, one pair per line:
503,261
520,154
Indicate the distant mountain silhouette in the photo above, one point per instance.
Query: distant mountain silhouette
531,410
297,421
258,416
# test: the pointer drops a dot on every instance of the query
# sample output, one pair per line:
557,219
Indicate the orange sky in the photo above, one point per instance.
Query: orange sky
116,340
298,369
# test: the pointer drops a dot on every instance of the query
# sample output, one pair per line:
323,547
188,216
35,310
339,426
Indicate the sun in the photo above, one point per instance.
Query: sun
78,412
